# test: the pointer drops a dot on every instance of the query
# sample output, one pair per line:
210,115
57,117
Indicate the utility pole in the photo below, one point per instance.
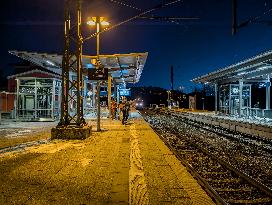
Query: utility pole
172,85
72,124
97,63
98,22
234,17
172,78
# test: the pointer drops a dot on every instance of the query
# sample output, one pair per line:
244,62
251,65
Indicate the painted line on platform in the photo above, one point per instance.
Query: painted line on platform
137,182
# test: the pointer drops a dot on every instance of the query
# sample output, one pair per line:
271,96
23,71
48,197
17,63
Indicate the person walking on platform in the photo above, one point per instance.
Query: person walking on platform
126,110
120,112
113,109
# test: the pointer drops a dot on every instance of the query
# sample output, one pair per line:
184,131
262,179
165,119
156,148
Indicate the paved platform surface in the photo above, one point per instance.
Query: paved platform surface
121,165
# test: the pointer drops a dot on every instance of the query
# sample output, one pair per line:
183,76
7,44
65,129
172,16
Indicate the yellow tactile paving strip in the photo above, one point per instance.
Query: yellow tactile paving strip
137,181
98,170
168,180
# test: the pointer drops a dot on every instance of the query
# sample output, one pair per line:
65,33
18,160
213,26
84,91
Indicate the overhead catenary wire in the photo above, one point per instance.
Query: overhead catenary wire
167,18
159,6
255,19
125,4
174,20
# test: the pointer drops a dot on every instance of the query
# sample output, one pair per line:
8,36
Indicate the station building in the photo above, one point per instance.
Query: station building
237,85
34,92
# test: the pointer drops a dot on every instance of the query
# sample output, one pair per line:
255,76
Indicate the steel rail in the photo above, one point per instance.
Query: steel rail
215,196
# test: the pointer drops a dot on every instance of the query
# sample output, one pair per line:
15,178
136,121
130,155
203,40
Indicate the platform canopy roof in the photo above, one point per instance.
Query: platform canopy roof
255,69
124,68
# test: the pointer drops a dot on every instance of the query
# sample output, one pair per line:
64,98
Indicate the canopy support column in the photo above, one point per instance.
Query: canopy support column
118,95
215,98
85,90
98,88
240,97
93,95
115,91
118,101
109,95
268,93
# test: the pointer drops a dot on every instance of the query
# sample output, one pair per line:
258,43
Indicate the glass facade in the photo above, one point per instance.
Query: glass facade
38,99
229,98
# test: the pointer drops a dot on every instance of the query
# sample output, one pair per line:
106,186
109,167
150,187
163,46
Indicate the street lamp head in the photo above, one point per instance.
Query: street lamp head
104,23
92,21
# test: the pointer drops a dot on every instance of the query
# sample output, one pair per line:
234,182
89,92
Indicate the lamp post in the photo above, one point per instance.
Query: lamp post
98,22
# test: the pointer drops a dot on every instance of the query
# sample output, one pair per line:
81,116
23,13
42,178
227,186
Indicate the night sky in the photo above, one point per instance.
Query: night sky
193,47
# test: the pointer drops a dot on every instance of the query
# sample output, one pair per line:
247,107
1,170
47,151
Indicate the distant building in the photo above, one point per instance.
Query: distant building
33,92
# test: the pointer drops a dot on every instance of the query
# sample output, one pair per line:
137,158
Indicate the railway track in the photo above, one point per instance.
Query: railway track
244,152
225,183
254,141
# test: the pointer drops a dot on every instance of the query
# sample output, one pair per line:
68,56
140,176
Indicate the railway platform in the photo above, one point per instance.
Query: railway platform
123,164
258,127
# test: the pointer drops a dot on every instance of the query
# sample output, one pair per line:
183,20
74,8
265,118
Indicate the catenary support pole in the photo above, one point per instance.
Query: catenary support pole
72,78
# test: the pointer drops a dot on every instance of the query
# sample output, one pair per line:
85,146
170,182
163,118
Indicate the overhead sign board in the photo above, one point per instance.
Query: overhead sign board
98,74
125,92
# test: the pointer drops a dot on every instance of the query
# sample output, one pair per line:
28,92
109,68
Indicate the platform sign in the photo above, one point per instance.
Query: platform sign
122,86
103,93
125,92
98,74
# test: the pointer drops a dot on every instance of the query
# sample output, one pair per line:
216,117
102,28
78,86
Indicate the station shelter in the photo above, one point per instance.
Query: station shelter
36,92
233,87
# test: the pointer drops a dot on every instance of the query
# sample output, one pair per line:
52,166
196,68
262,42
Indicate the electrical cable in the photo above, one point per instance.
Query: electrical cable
159,6
254,19
175,20
125,4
